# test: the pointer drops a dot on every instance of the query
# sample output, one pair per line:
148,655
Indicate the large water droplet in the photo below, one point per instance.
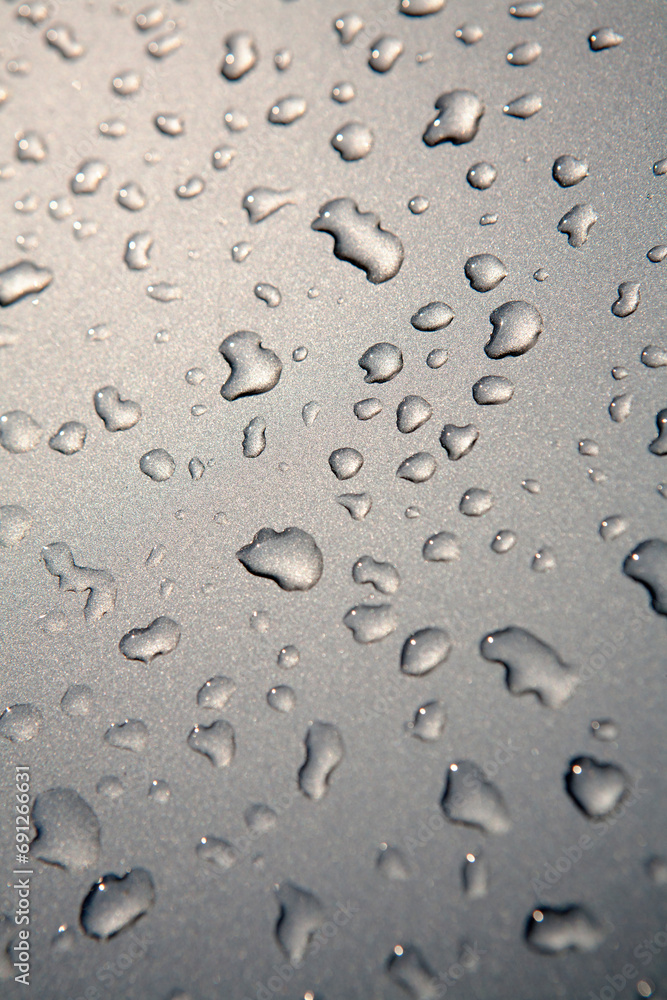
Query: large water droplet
531,665
254,368
425,650
360,239
115,902
68,831
470,799
324,752
291,557
647,564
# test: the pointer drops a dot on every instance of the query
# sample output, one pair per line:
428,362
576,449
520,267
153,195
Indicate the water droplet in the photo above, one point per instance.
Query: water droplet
595,787
254,438
19,433
604,38
254,369
524,107
459,113
458,441
149,17
620,407
407,968
222,156
353,141
20,723
138,250
288,657
261,202
543,560
567,170
269,294
553,930
358,505
217,742
529,8
342,92
604,730
235,120
469,34
62,38
434,316
116,413
659,445
115,902
481,175
381,362
492,390
89,176
15,522
524,53
348,27
164,45
68,831
158,465
77,701
240,251
613,527
429,721
656,869
23,278
69,439
531,665
301,914
531,486
577,224
657,253
132,197
488,220
110,786
299,354
282,59
383,576
260,818
417,468
425,650
131,735
240,57
360,239
475,502
647,564
61,208
324,752
30,147
191,188
291,557
628,299
470,799
384,52
437,357
420,8
115,128
370,622
287,110
170,124
442,547
619,373
281,698
59,562
310,413
589,447
345,462
164,292
159,638
475,876
516,327
484,272
412,412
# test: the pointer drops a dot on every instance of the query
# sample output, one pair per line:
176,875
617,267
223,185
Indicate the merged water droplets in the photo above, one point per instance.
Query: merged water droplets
63,38
254,368
360,239
116,902
23,278
384,52
216,741
132,735
301,914
291,557
597,788
157,639
577,224
531,665
552,930
628,299
382,575
469,798
240,57
254,438
370,622
324,752
100,584
68,831
116,413
358,505
459,113
137,251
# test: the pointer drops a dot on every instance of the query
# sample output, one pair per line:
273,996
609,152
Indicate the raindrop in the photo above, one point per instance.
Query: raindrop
412,412
620,407
647,564
158,465
484,272
553,930
358,505
604,38
429,721
425,650
417,468
353,141
115,902
628,299
434,316
524,53
370,622
77,701
470,799
383,576
254,369
531,665
492,390
475,502
457,120
437,357
360,239
442,547
131,735
301,914
345,462
24,278
458,441
20,723
596,788
469,34
269,294
68,831
240,57
217,742
613,527
324,752
19,433
254,438
381,362
291,557
577,224
481,175
15,523
287,110
261,202
384,52
567,170
138,250
132,197
281,698
69,439
342,92
516,327
504,541
523,107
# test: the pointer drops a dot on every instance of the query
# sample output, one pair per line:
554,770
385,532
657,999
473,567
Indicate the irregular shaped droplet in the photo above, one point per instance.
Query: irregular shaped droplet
131,735
425,650
260,818
531,665
15,523
216,692
620,407
360,239
417,468
597,788
170,124
70,438
384,52
553,930
470,799
301,914
157,639
24,278
240,57
281,698
19,433
20,723
261,202
567,170
235,120
484,271
458,441
492,390
217,742
516,327
381,362
407,967
434,316
647,564
605,730
62,38
345,462
459,113
348,27
100,584
191,188
475,876
442,547
657,253
393,864
358,505
543,560
287,110
475,502
659,445
366,409
254,438
132,197
383,576
481,175
116,413
30,147
412,412
77,700
370,622
604,38
137,251
254,369
523,107
158,465
628,299
353,141
269,294
577,224
196,468
89,176
291,557
222,156
654,357
310,413
324,752
115,902
429,721
524,53
68,831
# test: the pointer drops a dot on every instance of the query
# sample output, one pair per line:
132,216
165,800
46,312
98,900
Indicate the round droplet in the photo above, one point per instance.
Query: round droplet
481,175
158,465
281,698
